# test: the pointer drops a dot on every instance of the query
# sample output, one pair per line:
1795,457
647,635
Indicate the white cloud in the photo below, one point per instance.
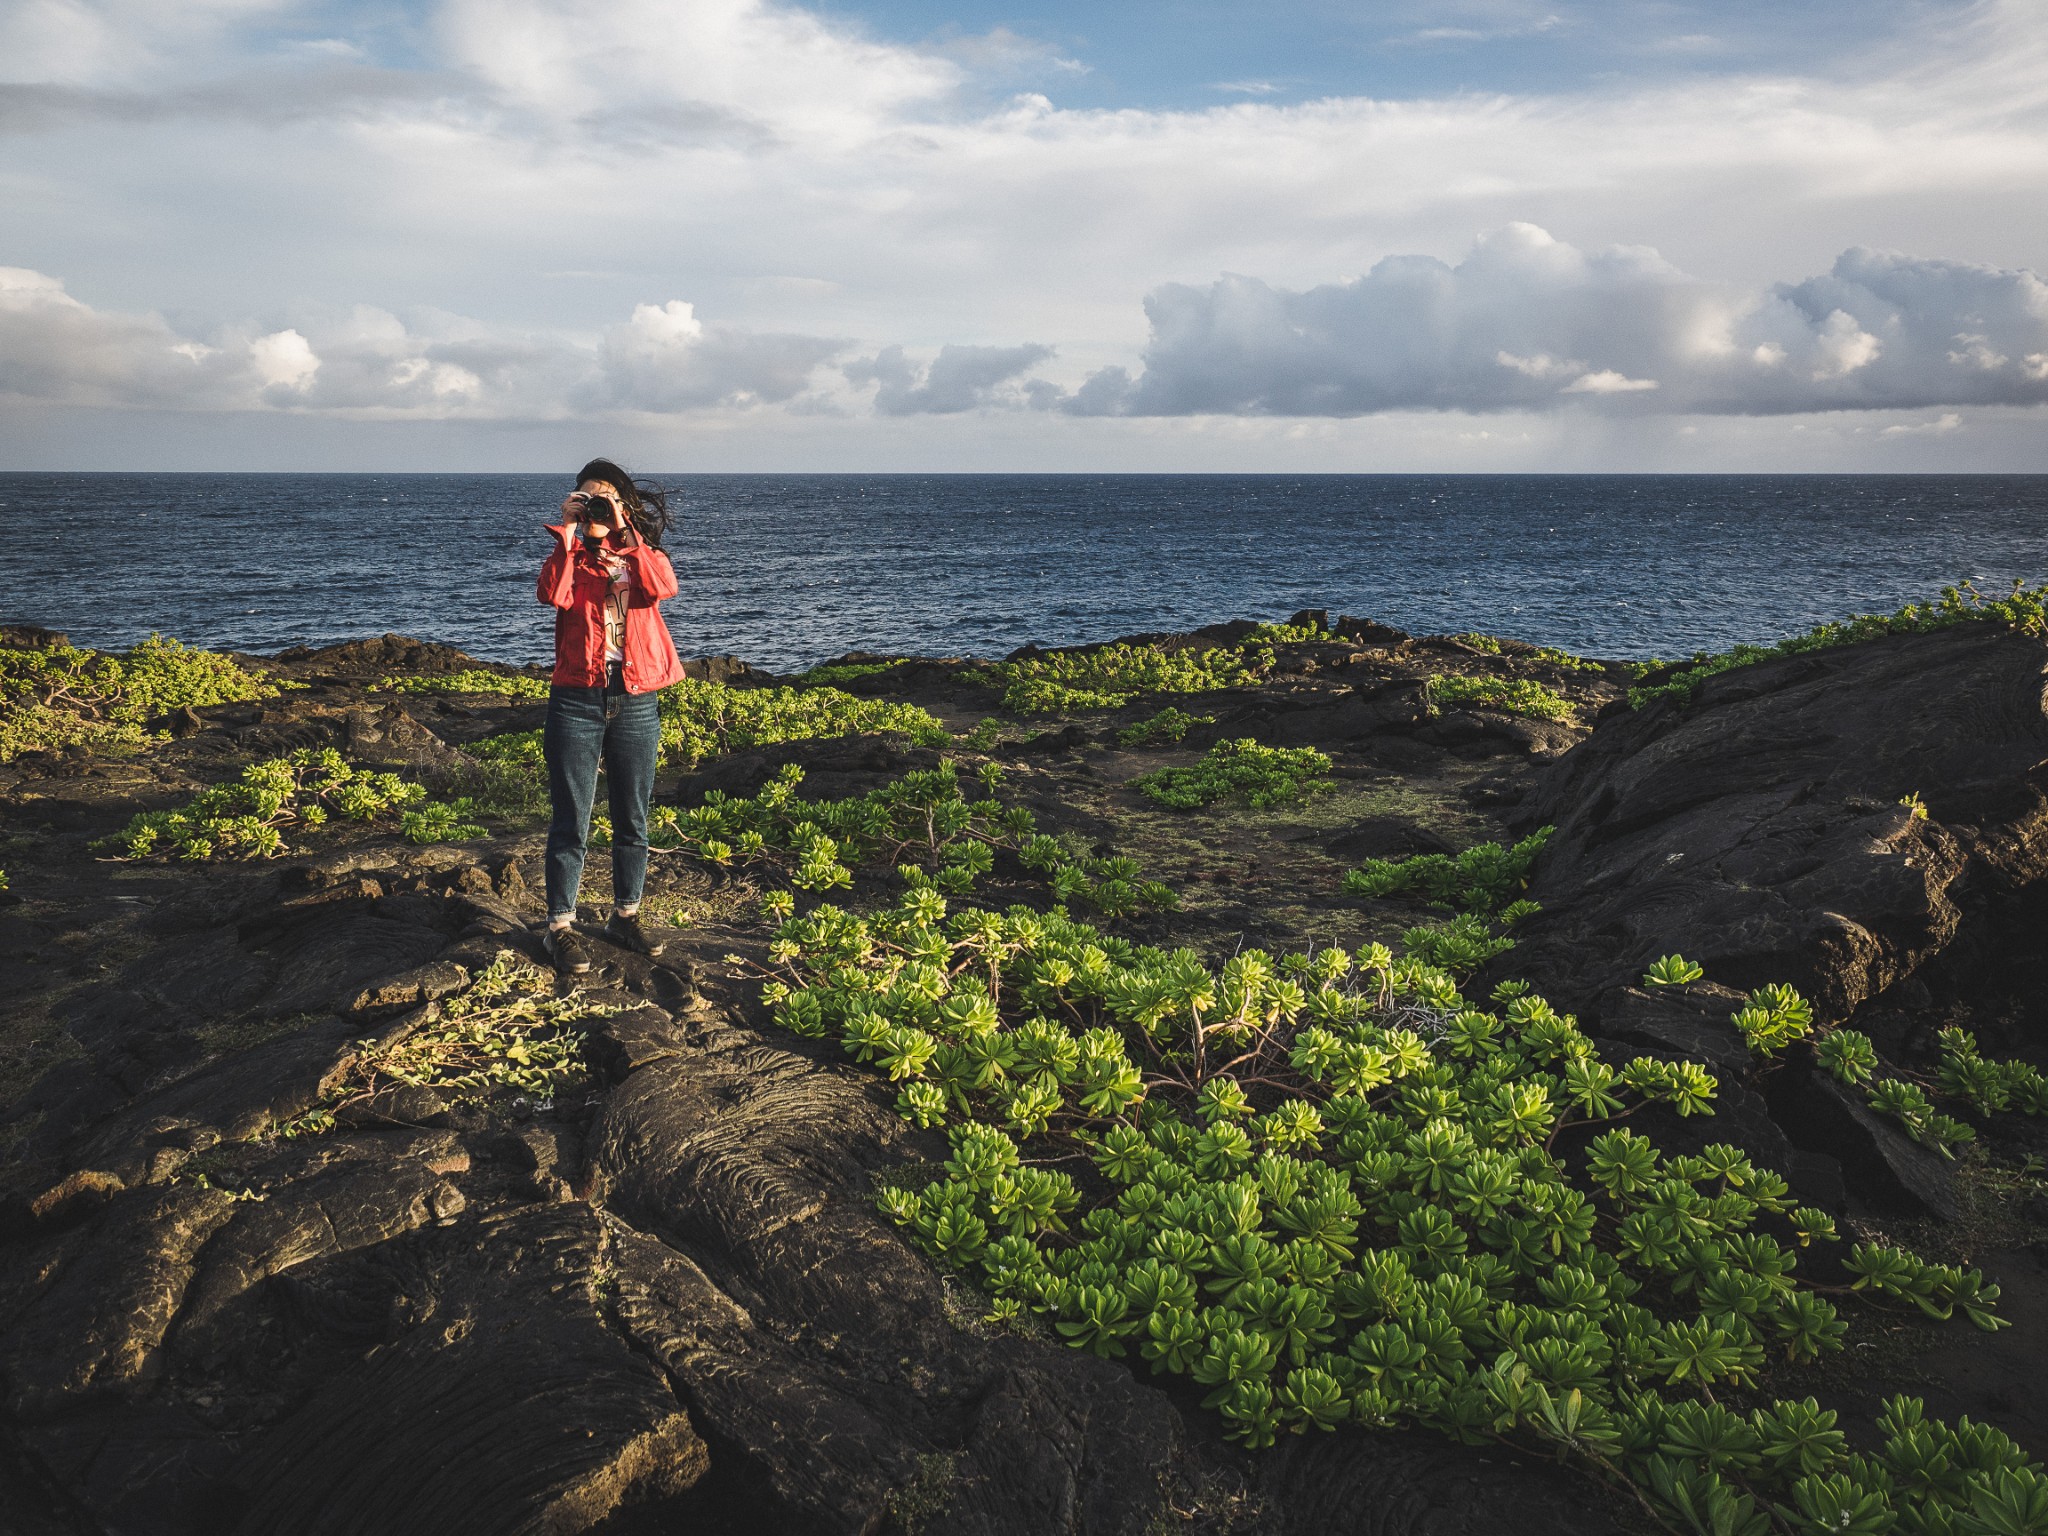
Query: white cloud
1525,321
55,349
103,41
282,183
1841,346
1948,421
284,361
1532,27
665,359
1606,381
960,378
790,73
1541,366
368,363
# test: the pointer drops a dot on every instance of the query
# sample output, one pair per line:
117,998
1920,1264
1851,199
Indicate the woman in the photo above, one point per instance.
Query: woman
605,577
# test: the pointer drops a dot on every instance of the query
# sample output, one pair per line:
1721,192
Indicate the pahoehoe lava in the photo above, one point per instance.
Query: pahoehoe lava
665,1300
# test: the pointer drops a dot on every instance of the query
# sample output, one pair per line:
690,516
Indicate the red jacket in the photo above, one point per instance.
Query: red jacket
575,582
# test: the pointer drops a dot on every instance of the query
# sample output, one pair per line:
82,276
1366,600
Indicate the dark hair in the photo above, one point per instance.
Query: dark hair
646,502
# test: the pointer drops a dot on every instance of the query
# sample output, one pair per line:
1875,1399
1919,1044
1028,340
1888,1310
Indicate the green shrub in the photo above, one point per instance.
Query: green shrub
1113,675
1285,634
509,779
2024,608
985,734
1325,1194
1170,724
1512,695
1775,1016
1265,776
471,680
63,697
1672,971
521,748
700,718
440,822
1567,660
1458,947
923,827
245,818
1481,880
1772,1017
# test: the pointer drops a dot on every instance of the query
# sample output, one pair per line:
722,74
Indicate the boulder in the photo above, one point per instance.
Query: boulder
1879,1161
382,656
729,670
1759,830
1692,1023
1369,631
31,637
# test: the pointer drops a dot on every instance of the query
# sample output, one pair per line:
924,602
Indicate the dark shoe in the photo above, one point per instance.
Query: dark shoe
567,951
627,933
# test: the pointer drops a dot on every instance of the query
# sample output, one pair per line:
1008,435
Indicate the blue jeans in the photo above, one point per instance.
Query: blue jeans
624,730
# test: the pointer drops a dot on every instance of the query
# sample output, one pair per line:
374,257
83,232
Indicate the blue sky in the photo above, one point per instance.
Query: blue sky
1175,54
744,234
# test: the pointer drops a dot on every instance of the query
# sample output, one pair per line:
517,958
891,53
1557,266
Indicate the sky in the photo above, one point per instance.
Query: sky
935,235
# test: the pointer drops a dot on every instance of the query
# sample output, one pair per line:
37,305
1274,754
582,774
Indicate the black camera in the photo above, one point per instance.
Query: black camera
600,509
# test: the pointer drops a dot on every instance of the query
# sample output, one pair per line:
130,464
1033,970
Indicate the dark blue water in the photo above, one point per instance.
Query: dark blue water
788,569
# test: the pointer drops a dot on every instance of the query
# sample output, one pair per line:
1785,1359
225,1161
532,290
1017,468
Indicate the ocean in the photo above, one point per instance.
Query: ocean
788,570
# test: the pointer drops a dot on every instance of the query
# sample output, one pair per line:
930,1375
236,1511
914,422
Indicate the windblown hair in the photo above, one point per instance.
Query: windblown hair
646,501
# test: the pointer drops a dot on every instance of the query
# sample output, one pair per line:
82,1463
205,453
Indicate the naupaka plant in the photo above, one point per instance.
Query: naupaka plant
1484,879
61,696
515,685
1335,1189
924,826
1511,695
247,817
1106,676
700,718
1240,767
1775,1016
2024,608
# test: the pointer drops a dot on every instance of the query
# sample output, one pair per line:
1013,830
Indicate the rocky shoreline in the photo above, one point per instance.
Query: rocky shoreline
662,1297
